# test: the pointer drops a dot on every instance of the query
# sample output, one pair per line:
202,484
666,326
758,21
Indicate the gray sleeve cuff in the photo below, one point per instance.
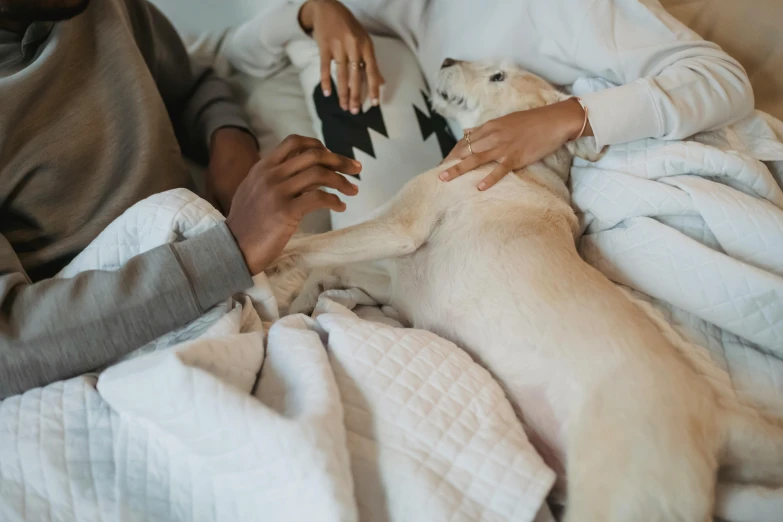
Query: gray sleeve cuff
214,266
222,115
213,104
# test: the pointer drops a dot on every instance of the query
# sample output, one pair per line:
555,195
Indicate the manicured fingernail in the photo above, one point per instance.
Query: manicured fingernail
327,92
344,107
375,102
356,163
482,186
354,110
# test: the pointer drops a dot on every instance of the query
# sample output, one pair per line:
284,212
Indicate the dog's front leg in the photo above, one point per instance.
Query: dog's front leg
399,229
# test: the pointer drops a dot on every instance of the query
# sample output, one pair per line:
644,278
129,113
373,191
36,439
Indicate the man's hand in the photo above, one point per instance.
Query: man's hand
340,37
280,190
232,153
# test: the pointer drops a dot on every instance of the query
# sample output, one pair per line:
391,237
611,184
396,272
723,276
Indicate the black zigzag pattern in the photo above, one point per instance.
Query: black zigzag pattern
344,131
434,122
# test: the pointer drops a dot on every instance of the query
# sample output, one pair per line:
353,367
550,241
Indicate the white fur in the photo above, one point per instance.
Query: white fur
633,428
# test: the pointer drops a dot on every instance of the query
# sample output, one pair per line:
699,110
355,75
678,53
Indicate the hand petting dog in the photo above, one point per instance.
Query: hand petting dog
517,140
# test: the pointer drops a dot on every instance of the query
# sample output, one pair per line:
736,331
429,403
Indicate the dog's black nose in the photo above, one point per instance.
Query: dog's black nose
448,62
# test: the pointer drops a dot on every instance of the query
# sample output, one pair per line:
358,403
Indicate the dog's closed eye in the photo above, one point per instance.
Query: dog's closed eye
498,77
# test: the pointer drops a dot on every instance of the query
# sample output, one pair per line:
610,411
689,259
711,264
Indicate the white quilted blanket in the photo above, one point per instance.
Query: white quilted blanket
696,228
386,424
358,419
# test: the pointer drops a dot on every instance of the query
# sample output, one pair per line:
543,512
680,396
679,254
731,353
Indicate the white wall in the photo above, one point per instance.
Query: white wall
196,16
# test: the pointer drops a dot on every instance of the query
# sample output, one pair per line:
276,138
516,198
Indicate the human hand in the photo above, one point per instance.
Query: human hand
280,190
517,140
340,37
232,153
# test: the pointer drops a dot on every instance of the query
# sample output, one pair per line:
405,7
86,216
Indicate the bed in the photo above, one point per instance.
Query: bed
356,418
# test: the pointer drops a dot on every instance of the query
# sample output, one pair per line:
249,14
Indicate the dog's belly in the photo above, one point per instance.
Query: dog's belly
501,277
489,311
536,383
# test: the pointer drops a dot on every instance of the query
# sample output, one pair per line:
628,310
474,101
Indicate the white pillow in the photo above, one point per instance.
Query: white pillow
394,142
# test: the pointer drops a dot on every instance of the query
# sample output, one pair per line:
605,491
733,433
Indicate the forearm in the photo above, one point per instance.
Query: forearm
60,328
689,97
232,153
257,48
673,84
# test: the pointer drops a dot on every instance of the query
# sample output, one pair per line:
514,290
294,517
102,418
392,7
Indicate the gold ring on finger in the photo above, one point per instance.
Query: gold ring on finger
467,139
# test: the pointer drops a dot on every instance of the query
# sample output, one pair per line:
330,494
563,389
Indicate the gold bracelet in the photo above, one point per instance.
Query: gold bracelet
584,123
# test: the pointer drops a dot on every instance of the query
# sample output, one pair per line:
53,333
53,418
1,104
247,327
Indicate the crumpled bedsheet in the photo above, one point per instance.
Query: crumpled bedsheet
695,229
351,419
355,418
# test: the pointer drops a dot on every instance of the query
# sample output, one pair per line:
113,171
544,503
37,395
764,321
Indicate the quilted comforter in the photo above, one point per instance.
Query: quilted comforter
353,417
695,229
387,424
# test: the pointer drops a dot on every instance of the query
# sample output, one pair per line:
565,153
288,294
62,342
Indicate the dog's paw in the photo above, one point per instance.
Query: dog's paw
317,283
287,277
285,263
304,303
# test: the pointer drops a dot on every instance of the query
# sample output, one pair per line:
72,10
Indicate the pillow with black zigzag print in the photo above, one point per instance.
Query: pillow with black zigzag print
394,142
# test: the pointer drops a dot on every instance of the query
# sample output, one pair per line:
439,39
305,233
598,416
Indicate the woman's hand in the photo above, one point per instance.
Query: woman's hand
517,140
340,37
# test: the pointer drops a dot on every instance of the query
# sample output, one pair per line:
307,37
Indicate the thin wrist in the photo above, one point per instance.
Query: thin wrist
579,124
305,17
254,264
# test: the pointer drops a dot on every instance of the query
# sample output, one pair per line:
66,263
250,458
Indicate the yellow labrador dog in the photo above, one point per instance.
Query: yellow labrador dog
630,424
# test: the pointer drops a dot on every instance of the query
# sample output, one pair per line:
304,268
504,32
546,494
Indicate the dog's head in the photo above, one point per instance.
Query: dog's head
473,93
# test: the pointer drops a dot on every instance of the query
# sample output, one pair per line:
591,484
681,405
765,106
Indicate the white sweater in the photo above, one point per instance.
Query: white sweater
670,83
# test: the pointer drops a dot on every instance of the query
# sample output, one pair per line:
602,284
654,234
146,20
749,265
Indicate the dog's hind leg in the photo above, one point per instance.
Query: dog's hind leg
632,459
398,229
753,446
374,281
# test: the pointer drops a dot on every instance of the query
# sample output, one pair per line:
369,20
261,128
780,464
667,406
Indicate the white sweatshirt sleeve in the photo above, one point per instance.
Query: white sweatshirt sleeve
257,47
672,83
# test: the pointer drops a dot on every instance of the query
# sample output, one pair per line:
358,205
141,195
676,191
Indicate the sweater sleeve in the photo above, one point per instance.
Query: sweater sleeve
59,328
257,47
673,84
198,101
